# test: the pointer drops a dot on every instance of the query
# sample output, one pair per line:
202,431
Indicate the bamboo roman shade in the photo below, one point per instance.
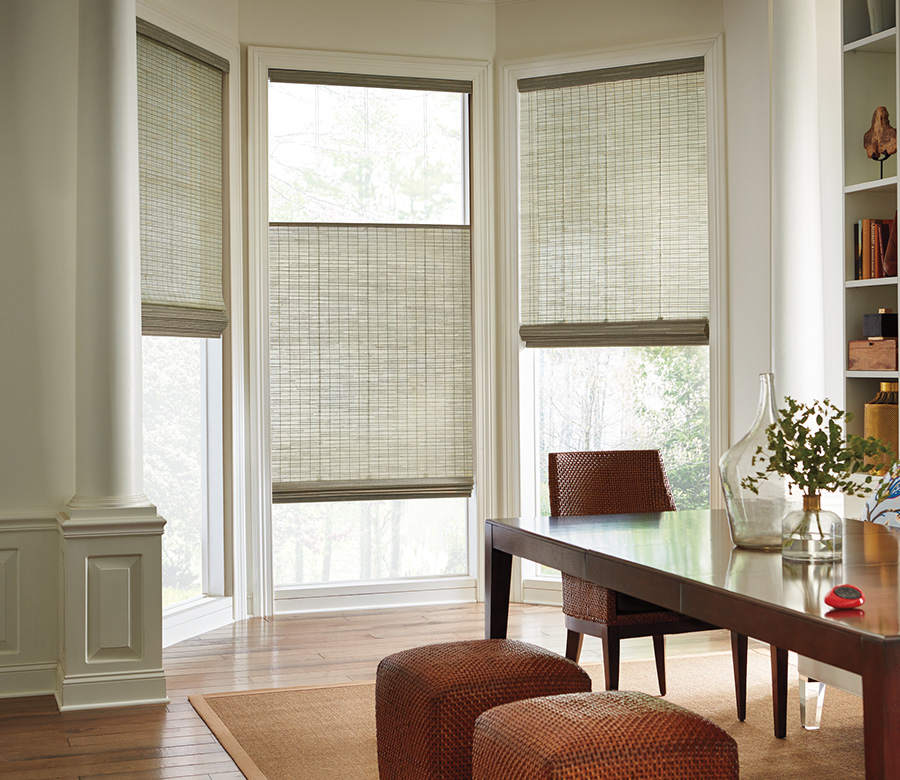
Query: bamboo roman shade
613,201
180,132
370,361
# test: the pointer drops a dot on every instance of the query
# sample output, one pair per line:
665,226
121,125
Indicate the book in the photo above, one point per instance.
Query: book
875,249
874,256
865,240
890,251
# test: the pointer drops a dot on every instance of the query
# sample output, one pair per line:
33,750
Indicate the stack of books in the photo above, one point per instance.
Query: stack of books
875,248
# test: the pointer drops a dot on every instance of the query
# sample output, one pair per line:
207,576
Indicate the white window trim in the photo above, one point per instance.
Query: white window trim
225,576
514,370
377,593
259,61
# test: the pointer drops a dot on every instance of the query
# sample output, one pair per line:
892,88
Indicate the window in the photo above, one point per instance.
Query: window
183,456
614,269
370,314
181,112
612,398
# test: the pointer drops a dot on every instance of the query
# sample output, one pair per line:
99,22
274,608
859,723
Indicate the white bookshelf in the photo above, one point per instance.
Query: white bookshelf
869,80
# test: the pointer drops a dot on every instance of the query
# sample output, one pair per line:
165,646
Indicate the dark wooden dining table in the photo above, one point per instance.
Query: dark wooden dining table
685,561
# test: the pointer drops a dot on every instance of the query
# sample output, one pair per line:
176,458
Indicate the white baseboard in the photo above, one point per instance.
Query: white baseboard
196,617
372,595
96,691
547,593
27,680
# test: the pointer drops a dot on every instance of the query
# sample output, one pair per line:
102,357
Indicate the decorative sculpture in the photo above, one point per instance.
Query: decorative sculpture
880,140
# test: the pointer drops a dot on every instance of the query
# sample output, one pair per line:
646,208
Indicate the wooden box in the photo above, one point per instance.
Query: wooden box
873,355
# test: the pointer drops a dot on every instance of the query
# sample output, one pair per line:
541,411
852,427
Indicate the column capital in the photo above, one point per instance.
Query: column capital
110,522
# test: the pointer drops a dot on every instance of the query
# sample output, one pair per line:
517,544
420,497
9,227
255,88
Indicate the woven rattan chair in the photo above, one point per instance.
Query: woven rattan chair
614,482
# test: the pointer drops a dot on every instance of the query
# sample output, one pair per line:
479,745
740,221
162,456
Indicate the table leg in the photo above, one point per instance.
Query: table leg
881,709
779,689
739,662
497,577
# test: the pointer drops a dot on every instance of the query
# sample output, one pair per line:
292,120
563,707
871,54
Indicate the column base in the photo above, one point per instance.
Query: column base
111,608
95,691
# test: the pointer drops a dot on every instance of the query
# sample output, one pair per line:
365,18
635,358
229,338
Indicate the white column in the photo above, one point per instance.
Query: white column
108,329
806,197
110,551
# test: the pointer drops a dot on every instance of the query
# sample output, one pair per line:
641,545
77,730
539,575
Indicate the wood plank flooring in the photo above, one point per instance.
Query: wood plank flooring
154,742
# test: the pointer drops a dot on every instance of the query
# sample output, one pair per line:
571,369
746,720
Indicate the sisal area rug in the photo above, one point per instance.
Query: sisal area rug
328,733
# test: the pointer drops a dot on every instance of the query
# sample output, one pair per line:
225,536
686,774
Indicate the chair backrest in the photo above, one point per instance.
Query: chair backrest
608,482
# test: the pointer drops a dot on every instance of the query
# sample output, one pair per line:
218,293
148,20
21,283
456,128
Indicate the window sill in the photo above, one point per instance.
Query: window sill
195,617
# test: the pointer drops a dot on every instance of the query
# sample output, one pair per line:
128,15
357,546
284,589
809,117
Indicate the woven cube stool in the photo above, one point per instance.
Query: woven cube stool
427,700
600,736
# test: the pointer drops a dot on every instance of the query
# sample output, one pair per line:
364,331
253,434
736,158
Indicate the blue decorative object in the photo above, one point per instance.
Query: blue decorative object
883,506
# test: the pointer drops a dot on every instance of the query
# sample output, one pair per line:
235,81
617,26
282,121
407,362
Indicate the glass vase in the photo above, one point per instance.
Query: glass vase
755,518
812,533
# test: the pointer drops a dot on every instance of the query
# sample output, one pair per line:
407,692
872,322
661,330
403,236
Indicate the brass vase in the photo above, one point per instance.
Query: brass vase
881,421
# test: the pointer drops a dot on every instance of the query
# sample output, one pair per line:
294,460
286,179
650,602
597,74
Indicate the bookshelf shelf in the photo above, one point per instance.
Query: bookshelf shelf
888,184
864,283
883,376
880,43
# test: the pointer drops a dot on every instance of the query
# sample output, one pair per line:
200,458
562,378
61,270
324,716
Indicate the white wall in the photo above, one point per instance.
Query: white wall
542,27
218,16
38,60
406,27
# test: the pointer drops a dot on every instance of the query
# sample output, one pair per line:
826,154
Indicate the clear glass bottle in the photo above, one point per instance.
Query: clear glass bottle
755,518
812,533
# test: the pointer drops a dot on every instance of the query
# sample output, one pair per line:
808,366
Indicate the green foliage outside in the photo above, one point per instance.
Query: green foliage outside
350,154
174,416
603,398
350,541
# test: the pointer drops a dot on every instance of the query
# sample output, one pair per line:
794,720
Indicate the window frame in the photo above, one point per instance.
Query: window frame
420,590
224,578
517,405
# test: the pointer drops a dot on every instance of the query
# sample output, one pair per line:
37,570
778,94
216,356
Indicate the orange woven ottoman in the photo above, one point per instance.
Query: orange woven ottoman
427,700
600,736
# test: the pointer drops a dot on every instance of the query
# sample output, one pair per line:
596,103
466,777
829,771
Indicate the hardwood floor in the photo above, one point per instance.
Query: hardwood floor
145,743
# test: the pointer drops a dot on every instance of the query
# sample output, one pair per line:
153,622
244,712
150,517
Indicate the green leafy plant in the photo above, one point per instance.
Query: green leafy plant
806,444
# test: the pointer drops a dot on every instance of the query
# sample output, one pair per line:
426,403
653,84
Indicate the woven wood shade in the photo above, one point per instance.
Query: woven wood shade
370,362
614,238
180,112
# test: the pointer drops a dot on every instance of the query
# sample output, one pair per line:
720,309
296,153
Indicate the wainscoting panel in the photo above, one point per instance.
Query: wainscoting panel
29,605
113,607
9,601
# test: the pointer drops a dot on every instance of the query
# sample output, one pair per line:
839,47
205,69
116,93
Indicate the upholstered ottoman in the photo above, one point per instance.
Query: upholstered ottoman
600,736
427,700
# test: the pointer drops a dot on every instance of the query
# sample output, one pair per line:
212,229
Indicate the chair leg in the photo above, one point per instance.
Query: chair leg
611,660
739,659
779,689
659,652
574,640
